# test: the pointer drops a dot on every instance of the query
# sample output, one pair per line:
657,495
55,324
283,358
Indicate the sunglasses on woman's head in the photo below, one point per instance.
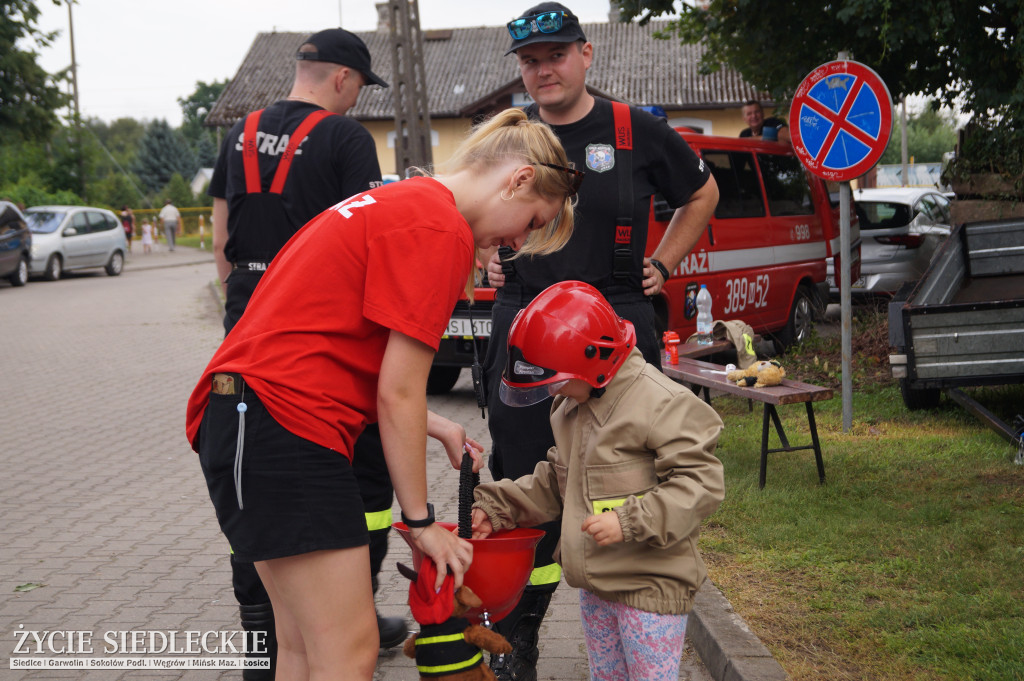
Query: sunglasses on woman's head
548,22
575,176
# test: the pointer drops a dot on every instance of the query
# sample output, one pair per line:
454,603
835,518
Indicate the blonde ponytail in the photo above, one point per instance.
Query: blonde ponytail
511,135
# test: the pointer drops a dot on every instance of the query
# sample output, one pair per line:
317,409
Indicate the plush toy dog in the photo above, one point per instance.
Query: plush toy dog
447,646
759,374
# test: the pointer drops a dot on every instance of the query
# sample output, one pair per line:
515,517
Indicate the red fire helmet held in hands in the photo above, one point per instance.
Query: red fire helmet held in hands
568,331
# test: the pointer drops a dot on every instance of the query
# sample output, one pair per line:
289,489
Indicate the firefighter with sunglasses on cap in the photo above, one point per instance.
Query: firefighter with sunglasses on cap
628,155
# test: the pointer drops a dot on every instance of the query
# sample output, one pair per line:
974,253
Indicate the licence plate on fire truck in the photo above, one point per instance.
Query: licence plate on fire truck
458,327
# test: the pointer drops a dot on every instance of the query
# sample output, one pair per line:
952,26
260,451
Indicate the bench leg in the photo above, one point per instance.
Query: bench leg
817,445
764,448
771,415
778,426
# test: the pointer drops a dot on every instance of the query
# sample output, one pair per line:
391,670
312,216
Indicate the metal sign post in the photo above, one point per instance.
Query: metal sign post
845,304
840,122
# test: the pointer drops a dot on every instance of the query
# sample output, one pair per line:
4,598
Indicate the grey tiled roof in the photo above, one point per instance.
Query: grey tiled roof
465,67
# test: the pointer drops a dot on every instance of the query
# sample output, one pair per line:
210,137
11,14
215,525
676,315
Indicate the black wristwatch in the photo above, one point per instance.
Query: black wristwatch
425,522
657,264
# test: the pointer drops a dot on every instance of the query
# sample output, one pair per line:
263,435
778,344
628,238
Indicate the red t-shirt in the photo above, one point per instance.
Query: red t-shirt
313,336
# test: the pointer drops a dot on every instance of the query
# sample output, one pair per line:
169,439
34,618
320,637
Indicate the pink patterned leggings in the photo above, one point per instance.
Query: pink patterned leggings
626,644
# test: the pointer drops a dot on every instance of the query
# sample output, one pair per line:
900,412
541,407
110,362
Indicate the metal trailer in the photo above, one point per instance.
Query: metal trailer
962,323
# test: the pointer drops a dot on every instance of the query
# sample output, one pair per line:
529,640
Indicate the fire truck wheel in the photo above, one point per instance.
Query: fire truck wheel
801,321
442,379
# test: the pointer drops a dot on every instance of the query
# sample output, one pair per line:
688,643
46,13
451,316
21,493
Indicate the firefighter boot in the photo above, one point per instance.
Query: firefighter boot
522,630
393,630
259,618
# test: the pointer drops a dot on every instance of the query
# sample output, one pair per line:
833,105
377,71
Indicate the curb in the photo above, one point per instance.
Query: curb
728,648
218,297
182,257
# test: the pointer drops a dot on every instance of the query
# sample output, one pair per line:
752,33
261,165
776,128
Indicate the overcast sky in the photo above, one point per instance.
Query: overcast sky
137,57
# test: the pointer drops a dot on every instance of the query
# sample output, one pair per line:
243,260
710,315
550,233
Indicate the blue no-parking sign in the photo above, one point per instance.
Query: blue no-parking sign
841,120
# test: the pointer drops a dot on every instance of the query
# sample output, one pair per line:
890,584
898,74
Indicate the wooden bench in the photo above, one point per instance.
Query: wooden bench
705,376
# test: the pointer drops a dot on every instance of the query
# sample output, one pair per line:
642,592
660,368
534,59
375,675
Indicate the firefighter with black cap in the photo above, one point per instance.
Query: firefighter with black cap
628,156
279,168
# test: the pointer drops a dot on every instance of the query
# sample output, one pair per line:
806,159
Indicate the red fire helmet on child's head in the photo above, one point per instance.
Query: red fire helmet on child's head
568,331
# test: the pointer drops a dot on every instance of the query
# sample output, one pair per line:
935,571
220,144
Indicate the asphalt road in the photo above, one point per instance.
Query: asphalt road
102,501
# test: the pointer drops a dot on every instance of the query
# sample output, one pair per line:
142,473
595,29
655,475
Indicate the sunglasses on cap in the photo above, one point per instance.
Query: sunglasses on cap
575,176
547,22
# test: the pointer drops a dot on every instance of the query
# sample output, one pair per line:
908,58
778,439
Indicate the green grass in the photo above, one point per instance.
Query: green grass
907,564
192,241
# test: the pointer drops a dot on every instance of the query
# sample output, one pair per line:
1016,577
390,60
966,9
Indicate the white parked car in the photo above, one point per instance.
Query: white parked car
900,228
68,238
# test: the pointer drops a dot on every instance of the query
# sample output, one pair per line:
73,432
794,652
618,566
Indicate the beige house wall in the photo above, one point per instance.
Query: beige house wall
451,131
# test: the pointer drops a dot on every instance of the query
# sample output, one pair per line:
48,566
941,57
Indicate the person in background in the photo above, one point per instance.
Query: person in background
147,236
553,56
170,218
256,210
276,412
631,476
774,129
128,222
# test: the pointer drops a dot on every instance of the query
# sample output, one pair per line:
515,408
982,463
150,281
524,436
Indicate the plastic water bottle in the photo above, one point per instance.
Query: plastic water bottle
705,320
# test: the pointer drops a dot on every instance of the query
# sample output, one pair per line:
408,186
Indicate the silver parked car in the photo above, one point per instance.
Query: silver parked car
900,228
68,238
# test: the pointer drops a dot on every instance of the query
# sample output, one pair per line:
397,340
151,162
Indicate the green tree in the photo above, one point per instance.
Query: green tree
29,96
30,190
206,151
930,134
121,138
115,190
969,53
197,106
952,49
162,153
178,191
194,109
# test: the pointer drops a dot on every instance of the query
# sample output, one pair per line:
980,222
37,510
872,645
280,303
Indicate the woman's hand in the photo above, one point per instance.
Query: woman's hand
481,524
456,443
605,528
445,549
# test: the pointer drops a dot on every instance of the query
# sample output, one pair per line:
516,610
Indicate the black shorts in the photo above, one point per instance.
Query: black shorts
297,496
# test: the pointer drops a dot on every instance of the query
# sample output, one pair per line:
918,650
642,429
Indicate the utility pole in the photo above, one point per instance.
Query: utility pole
409,87
903,144
77,116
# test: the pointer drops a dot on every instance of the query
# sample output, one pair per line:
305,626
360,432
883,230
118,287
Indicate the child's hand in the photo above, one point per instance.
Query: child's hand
604,528
480,524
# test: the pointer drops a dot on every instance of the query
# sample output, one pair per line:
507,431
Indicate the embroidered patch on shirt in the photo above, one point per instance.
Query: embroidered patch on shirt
600,157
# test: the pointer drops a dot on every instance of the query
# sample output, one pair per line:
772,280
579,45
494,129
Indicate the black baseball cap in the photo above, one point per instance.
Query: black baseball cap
569,33
338,46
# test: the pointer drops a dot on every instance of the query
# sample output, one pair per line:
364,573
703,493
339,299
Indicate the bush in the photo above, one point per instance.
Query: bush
993,147
27,191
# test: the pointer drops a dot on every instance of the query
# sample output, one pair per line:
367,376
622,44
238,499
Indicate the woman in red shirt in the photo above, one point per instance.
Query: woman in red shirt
341,332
